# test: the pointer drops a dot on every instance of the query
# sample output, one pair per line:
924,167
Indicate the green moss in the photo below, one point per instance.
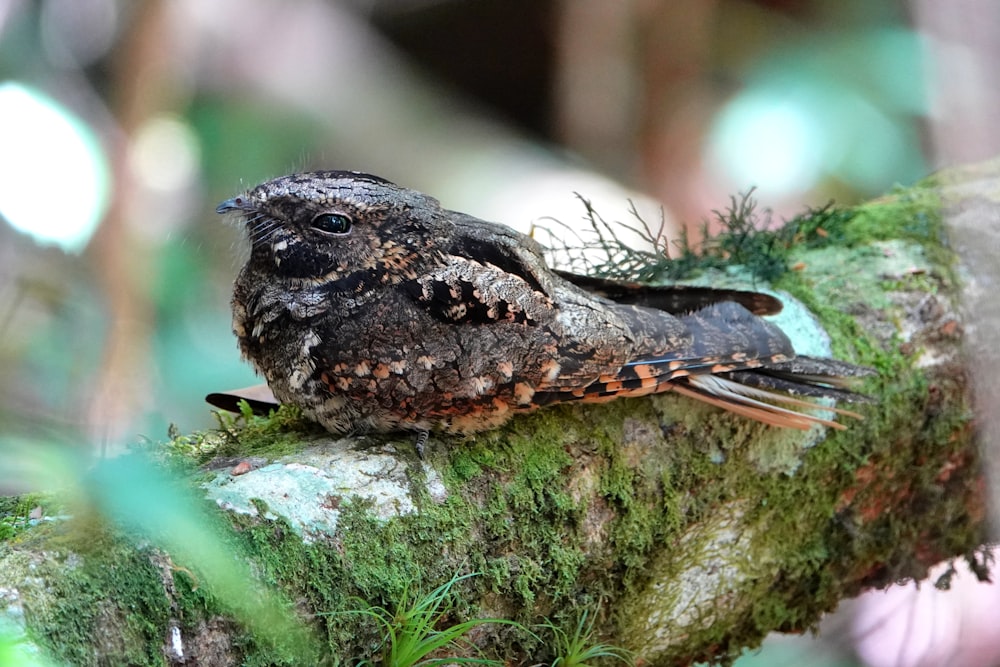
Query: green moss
908,214
111,601
283,431
379,560
542,555
316,577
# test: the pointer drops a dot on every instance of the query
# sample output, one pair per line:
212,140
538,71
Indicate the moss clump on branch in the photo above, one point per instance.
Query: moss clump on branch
748,238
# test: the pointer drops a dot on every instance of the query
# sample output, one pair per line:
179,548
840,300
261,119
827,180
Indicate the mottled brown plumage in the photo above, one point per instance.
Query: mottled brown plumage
374,309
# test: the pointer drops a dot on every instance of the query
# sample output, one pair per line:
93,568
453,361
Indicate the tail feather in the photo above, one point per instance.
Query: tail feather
808,376
723,396
724,386
750,401
753,393
767,390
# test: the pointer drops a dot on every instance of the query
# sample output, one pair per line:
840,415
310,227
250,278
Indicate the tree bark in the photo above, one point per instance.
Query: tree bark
682,532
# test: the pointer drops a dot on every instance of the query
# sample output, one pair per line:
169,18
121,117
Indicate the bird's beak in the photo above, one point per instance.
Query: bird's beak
234,204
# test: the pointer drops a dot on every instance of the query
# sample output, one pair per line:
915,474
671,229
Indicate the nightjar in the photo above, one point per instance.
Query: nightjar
374,309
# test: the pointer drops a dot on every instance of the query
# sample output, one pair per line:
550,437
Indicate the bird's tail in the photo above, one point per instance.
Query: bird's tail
770,394
726,356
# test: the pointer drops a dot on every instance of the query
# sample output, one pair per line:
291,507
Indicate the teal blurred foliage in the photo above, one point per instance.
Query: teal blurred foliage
862,93
14,650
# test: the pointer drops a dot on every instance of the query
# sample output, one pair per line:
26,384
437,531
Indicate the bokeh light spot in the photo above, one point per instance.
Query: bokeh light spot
165,154
54,179
769,141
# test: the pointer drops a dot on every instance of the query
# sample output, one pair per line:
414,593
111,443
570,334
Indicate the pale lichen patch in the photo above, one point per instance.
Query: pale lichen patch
715,553
310,491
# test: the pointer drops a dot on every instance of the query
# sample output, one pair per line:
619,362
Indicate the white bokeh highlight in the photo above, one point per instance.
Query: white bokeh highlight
40,138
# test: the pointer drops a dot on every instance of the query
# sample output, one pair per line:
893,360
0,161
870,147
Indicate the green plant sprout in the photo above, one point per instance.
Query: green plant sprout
577,650
411,633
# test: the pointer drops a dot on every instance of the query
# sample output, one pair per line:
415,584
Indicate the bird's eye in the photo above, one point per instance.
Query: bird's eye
332,223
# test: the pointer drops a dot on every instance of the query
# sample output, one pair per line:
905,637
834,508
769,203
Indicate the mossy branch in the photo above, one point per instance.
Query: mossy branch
680,532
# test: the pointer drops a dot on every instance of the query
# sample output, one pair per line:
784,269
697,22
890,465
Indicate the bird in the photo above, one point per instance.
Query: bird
374,309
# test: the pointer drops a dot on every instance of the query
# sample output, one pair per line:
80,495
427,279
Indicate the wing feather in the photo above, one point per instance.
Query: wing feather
467,291
674,299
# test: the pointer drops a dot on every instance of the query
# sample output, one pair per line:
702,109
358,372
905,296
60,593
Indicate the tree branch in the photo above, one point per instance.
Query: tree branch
684,532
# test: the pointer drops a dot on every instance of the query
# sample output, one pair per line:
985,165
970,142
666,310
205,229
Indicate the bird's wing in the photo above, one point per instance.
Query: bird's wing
468,291
489,273
675,299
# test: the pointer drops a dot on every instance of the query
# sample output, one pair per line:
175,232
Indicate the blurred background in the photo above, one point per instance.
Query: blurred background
123,124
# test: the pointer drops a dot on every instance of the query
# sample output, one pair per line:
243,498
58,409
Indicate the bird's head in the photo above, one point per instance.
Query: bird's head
345,228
